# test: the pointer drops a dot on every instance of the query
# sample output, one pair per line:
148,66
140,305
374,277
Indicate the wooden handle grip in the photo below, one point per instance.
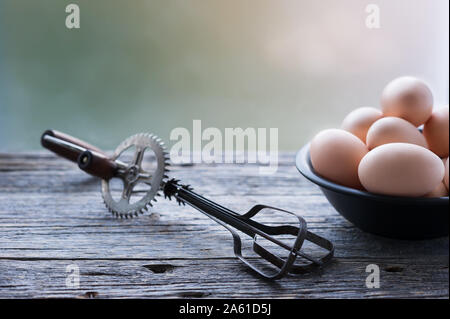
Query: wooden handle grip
97,164
90,159
69,153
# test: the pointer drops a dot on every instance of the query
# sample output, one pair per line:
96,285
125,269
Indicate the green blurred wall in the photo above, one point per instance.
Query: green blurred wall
144,65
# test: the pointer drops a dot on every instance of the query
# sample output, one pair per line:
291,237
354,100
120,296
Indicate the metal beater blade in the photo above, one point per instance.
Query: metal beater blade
244,223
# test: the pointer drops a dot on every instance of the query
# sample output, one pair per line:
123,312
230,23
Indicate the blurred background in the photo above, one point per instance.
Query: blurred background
153,65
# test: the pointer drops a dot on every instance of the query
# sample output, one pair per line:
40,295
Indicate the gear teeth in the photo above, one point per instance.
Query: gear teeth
180,202
151,142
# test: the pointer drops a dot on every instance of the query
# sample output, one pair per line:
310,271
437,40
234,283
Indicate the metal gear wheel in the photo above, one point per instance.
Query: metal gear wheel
133,174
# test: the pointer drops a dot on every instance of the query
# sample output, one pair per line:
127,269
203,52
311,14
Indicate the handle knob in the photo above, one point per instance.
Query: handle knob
97,164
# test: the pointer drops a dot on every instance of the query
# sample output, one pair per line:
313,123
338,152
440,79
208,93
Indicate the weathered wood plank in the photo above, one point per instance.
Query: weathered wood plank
214,278
51,215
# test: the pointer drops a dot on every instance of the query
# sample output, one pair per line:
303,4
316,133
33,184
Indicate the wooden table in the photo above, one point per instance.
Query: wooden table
52,216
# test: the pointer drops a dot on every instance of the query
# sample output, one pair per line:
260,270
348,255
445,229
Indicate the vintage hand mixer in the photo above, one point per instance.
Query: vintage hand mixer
97,163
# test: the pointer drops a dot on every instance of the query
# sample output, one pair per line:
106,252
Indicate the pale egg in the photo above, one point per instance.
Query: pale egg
401,169
359,121
393,130
409,98
436,131
335,155
446,174
439,191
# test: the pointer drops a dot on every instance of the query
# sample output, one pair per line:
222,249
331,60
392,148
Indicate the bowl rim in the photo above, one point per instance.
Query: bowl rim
304,166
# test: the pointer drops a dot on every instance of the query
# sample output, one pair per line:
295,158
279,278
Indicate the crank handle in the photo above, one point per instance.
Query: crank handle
89,158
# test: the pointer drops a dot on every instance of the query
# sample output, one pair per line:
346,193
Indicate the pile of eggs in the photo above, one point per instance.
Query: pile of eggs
383,151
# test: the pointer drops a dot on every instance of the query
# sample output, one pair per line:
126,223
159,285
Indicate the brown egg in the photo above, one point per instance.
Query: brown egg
439,191
358,121
393,130
401,169
436,131
446,174
335,155
409,98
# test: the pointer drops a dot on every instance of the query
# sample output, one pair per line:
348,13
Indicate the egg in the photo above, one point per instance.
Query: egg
359,121
436,131
446,174
335,155
409,98
393,130
401,169
439,191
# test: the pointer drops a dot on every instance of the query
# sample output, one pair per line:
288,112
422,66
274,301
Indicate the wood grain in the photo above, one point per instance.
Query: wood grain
52,216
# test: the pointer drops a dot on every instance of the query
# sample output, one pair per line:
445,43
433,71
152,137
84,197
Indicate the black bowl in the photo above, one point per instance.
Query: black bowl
395,217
